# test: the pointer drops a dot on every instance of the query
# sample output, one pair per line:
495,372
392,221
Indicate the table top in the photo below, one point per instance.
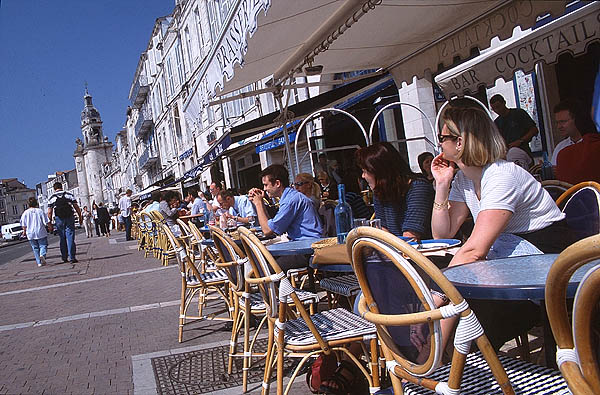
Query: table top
191,216
516,278
296,247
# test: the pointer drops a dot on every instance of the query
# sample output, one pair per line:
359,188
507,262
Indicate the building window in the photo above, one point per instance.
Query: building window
25,207
13,198
188,44
15,210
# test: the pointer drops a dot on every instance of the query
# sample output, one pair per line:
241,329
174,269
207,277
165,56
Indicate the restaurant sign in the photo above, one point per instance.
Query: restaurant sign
571,33
232,44
216,150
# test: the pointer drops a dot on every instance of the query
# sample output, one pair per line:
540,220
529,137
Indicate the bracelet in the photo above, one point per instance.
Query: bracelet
441,206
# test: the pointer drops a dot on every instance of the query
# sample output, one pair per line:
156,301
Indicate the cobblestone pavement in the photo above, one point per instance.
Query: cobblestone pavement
93,327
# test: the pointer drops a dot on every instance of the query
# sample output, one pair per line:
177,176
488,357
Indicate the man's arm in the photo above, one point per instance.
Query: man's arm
50,218
256,195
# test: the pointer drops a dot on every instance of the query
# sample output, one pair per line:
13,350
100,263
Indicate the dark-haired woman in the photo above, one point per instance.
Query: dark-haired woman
402,200
424,160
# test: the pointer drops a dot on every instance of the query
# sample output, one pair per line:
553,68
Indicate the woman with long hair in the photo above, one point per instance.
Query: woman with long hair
305,184
402,200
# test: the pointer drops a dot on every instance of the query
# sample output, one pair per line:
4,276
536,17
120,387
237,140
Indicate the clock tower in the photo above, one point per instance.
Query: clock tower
90,154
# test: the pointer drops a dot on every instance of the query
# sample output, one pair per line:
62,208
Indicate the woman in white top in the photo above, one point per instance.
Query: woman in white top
34,221
502,197
513,214
87,221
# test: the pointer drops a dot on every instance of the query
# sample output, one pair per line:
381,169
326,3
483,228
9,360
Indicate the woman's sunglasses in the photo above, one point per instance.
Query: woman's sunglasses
299,184
444,137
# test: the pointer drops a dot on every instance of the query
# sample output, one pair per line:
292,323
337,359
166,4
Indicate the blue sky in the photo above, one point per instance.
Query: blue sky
48,49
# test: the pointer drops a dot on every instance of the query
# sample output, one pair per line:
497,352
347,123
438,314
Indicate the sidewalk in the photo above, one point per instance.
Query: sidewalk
94,326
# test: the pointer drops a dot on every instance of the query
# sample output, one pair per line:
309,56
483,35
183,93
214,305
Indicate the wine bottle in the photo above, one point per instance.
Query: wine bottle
547,173
343,216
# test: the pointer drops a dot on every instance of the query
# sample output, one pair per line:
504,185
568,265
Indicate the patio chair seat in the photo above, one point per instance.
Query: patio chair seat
209,277
333,324
525,377
257,302
346,285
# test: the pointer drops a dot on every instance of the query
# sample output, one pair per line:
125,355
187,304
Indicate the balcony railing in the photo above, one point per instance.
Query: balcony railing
148,158
139,92
144,122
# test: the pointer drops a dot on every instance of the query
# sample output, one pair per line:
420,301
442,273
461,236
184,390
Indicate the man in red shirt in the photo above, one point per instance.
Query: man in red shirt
581,161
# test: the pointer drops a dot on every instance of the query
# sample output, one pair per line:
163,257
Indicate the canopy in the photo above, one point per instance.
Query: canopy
263,38
571,33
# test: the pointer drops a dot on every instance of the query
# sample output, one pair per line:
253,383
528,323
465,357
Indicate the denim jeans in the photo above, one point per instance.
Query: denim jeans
39,247
127,221
66,231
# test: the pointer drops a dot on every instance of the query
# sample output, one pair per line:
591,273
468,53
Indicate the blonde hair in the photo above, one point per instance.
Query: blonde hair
482,142
315,189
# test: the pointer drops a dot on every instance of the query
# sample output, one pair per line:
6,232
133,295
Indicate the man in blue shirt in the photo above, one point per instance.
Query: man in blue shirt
297,214
240,207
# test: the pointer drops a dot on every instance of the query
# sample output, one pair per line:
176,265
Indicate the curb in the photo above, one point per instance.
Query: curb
11,243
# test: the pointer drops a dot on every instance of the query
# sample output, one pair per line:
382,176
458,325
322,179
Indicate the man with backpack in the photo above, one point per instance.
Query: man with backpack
61,204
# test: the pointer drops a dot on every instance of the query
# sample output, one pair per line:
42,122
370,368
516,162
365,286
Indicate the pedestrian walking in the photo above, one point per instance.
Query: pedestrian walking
61,204
87,221
33,222
103,219
95,218
125,207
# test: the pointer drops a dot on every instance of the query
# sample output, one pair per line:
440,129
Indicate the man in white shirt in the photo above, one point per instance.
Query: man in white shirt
566,126
125,208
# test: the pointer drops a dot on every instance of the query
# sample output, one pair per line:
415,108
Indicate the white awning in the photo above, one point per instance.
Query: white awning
571,33
264,38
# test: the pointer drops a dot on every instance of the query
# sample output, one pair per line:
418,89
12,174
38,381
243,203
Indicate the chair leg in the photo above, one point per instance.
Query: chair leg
247,350
375,363
234,332
182,310
495,366
280,363
268,359
523,345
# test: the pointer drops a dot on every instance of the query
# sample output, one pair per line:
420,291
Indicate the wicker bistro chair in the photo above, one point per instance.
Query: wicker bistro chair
245,304
208,254
576,354
582,208
308,335
146,234
395,279
195,283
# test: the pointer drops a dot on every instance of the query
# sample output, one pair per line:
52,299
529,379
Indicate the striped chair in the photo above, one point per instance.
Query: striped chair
395,279
308,335
340,286
208,255
577,341
194,283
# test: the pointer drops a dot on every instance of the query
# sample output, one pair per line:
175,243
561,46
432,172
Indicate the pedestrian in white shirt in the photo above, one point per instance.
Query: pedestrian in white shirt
34,222
125,208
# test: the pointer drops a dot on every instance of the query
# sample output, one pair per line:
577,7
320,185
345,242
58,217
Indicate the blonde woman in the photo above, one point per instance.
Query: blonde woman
513,214
305,184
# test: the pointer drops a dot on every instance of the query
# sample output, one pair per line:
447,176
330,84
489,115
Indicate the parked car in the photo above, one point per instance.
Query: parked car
12,232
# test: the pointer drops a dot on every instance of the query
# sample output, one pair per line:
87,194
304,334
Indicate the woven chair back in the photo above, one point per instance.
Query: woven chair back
580,366
556,187
180,252
185,229
230,255
582,209
263,265
394,285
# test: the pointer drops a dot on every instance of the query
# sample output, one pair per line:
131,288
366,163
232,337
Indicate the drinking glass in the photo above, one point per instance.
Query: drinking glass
375,223
251,220
360,222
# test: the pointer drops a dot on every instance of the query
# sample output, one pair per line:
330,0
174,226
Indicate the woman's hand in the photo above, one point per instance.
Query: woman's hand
442,170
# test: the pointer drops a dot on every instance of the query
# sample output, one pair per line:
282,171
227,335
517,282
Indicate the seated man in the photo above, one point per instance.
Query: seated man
297,214
564,115
581,161
239,207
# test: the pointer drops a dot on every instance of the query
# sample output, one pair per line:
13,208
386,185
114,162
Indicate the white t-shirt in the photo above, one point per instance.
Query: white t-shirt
563,144
35,219
506,186
125,206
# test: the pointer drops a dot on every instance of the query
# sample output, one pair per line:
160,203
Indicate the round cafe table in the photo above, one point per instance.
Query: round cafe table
516,278
296,247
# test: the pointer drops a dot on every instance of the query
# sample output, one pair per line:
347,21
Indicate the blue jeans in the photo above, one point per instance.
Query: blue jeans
127,221
39,247
66,231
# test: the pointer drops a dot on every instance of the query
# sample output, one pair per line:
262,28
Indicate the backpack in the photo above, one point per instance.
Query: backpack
62,207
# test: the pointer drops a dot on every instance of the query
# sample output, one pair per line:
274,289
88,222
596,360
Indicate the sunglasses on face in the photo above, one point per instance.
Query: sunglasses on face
444,137
299,184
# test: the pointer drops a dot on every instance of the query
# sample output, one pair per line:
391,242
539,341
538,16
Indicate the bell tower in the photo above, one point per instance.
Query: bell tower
90,154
